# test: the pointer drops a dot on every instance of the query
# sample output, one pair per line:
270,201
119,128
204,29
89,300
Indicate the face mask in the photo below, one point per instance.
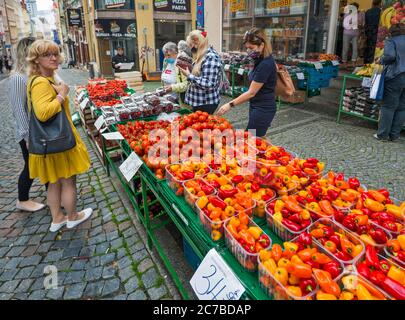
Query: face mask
253,54
170,60
194,50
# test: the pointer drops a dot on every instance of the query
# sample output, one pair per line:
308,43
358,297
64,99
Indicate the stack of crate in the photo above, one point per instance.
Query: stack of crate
133,79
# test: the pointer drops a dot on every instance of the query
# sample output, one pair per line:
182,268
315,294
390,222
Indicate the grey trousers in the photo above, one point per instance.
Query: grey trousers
347,39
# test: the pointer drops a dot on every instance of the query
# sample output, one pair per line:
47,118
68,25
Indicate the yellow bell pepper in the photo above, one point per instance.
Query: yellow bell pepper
281,275
202,202
295,291
294,280
270,266
256,232
313,206
265,255
373,205
357,249
394,210
283,263
396,274
401,239
230,211
346,295
228,201
362,293
278,217
279,205
321,166
290,248
320,295
216,235
303,193
296,259
367,239
305,215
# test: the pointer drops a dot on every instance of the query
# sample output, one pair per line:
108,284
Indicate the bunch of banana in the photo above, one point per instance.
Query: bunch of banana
367,70
385,19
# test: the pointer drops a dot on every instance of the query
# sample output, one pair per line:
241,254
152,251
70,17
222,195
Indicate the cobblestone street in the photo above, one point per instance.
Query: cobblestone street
106,257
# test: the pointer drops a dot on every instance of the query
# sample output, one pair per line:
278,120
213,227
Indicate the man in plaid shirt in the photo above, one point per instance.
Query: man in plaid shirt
203,90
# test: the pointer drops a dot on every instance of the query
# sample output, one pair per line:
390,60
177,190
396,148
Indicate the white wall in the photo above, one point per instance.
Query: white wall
213,22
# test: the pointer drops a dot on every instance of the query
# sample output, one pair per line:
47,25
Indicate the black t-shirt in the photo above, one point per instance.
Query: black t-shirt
372,18
119,59
264,72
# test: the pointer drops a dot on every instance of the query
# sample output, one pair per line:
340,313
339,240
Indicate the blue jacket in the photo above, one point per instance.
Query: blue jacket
394,56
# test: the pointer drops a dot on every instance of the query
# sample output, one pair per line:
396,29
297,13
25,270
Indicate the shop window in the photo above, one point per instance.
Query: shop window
114,4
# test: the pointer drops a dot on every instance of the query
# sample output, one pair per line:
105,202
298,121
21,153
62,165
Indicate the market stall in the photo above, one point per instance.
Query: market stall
286,227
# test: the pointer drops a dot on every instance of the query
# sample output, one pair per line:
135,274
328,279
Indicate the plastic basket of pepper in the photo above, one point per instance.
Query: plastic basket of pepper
196,188
178,173
395,249
245,239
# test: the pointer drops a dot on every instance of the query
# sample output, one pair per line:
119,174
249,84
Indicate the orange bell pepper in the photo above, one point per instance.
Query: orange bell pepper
303,271
283,263
290,249
341,184
320,258
361,219
320,295
326,283
247,237
295,291
306,254
281,275
276,251
377,196
244,218
317,233
373,205
233,231
293,206
347,246
326,207
348,196
265,255
234,221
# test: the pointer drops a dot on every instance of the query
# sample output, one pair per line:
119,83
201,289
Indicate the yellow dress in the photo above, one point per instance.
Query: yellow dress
52,167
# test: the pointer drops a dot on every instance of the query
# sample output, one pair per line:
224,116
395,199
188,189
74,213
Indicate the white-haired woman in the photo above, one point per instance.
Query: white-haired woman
204,79
17,94
47,98
173,80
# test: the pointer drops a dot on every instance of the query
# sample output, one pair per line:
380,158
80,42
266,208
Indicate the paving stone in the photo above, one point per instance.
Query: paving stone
21,296
3,251
24,285
5,296
44,247
124,262
157,293
22,241
77,243
131,285
125,225
37,295
43,228
53,256
61,244
87,251
111,286
112,235
138,295
50,236
30,230
55,294
31,261
109,272
75,291
97,239
117,243
94,274
102,248
94,262
29,251
71,252
145,265
13,263
8,275
149,278
107,258
35,239
94,289
126,273
73,277
24,272
80,234
79,265
96,231
140,255
136,247
39,271
15,251
132,240
121,297
67,235
38,284
122,252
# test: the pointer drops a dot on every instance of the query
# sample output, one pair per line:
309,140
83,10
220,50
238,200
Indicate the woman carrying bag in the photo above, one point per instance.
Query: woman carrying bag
261,94
56,152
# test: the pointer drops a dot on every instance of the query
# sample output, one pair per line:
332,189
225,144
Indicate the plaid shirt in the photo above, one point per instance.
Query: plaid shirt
204,89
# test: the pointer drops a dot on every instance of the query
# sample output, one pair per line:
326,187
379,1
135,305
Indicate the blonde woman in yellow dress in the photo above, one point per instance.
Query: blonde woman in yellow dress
47,98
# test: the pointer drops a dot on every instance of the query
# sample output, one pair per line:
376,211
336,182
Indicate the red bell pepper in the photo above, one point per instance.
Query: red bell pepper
384,192
285,213
309,165
389,225
264,240
333,194
316,191
223,194
394,288
333,268
372,258
301,199
237,179
218,203
367,211
385,266
207,189
187,175
354,183
266,197
401,255
335,238
380,236
377,277
291,225
313,264
343,256
305,238
339,176
328,231
363,269
307,286
255,187
305,223
313,160
296,217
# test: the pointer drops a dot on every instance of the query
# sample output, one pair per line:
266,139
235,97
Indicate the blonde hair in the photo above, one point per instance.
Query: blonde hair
201,50
37,49
21,54
256,37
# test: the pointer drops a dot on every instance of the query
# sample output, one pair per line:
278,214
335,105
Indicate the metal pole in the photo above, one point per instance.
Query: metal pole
306,28
333,21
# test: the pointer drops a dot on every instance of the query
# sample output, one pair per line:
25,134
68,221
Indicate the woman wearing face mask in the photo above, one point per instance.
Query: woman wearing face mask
173,80
203,90
261,93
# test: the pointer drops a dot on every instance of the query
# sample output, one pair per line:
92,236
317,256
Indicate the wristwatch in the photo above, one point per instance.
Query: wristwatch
231,104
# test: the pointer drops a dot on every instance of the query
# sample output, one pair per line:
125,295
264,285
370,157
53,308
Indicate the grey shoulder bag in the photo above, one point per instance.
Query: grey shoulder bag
52,136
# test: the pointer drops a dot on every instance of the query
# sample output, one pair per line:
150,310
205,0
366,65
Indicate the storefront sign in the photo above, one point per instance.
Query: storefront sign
214,280
119,28
278,4
200,14
74,18
172,5
237,5
114,3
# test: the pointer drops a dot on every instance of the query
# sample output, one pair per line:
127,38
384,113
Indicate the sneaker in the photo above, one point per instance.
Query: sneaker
30,206
57,226
379,139
86,214
395,140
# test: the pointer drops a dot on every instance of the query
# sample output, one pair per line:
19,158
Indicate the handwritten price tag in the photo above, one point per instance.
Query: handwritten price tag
241,71
81,95
99,123
84,103
335,63
130,166
227,67
300,76
113,136
214,280
318,65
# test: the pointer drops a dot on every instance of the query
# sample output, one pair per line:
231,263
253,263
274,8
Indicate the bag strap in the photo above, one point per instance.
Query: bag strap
29,92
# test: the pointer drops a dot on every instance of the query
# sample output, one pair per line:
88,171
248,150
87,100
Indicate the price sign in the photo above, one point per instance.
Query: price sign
81,95
99,123
300,76
84,103
318,65
214,280
130,166
335,63
113,136
241,71
366,83
227,67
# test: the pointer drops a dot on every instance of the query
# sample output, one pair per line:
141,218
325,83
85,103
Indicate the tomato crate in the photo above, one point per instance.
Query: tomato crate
248,260
340,231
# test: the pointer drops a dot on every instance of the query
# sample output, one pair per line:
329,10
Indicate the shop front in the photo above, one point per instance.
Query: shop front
77,40
172,22
112,34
